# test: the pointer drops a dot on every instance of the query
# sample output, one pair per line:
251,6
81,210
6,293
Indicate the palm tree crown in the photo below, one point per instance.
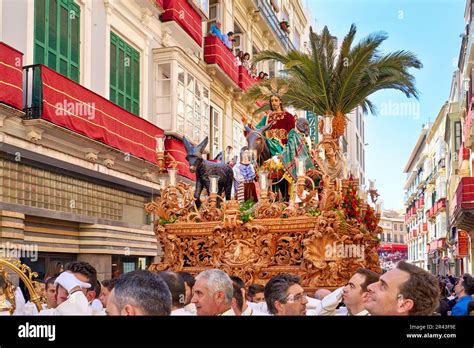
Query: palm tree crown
333,82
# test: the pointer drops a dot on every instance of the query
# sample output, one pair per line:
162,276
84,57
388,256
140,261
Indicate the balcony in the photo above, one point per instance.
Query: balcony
52,97
469,131
185,14
438,207
245,80
11,76
463,154
463,216
436,245
269,15
218,56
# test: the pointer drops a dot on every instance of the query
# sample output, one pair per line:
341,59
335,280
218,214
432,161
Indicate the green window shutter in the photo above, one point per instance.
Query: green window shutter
57,36
74,41
124,74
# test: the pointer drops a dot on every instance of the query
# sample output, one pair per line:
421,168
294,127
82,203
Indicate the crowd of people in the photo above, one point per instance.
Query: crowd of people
389,258
242,58
404,290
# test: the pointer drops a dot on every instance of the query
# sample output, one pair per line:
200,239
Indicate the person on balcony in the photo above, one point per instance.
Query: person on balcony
253,71
261,76
216,30
240,57
246,61
228,40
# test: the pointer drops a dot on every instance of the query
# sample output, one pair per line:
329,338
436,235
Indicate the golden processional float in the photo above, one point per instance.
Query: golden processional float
7,294
324,238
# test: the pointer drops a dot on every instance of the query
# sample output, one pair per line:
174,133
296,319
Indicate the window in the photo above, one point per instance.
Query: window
271,69
124,75
395,238
395,227
238,136
457,136
193,106
389,237
213,14
163,90
216,124
204,5
357,148
56,36
296,39
382,237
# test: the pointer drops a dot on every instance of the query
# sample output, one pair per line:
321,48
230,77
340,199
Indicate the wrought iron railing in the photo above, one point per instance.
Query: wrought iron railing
270,16
33,91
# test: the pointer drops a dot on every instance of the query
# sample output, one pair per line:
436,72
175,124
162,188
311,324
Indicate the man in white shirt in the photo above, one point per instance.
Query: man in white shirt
176,286
212,293
285,296
355,293
402,291
93,297
71,296
139,293
189,282
239,302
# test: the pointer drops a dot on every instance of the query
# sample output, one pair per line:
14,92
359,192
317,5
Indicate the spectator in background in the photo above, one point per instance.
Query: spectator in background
464,289
265,76
139,293
256,293
216,30
107,287
246,61
227,40
444,307
50,293
261,76
93,294
240,57
178,293
189,282
253,71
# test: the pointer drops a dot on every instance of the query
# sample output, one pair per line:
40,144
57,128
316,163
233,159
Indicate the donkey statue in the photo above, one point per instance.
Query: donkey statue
256,142
204,169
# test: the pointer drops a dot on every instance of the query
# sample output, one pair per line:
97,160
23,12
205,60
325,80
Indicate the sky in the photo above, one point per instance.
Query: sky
429,28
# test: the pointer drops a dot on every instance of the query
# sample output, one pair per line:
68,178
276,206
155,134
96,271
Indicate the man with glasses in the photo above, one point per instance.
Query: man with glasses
464,289
285,296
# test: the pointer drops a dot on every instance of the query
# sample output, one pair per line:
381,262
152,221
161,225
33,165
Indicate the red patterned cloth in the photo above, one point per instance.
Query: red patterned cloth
11,76
72,106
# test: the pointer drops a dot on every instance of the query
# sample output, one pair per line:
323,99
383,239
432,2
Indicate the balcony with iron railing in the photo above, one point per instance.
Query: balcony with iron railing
270,17
464,204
